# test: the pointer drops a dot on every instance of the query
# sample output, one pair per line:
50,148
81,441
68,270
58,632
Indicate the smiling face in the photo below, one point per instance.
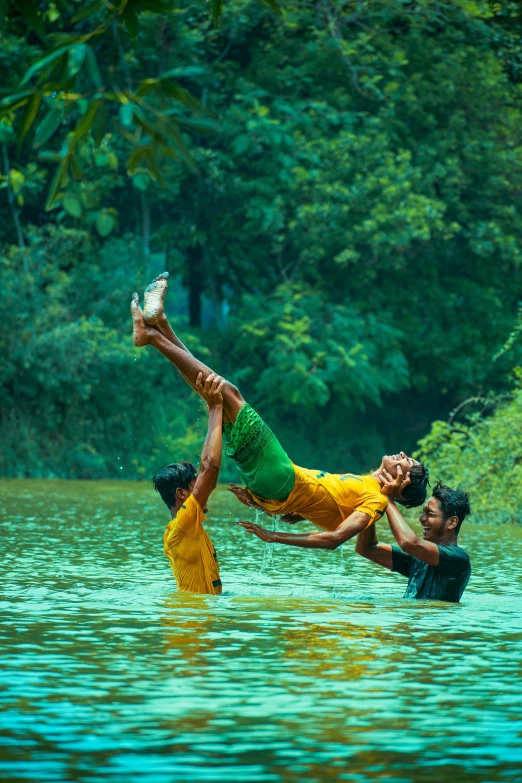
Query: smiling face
390,463
434,526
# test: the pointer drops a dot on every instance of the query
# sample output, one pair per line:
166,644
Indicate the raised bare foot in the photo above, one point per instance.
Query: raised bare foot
140,332
153,300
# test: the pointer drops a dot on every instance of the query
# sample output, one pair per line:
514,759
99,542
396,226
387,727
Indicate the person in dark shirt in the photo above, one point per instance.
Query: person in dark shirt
436,567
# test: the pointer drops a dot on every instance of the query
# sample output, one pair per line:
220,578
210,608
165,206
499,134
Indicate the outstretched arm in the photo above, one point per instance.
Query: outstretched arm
211,392
328,539
408,540
367,546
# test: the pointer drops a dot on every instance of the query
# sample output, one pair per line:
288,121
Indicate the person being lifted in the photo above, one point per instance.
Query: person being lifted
341,504
185,492
436,567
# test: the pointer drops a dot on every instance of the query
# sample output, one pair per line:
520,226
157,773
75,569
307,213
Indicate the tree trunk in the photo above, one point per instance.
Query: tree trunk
195,283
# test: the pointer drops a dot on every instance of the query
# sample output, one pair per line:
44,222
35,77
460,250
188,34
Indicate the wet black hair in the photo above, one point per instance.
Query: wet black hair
416,491
453,502
178,475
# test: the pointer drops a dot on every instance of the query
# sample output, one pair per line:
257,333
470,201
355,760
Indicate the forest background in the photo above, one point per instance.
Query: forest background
335,189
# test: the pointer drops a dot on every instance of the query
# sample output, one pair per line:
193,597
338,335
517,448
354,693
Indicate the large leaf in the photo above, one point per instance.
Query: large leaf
85,124
93,69
46,60
89,10
99,124
47,127
29,116
9,100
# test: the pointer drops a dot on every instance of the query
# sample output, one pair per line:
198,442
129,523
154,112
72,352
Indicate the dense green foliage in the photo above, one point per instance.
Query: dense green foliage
335,191
483,455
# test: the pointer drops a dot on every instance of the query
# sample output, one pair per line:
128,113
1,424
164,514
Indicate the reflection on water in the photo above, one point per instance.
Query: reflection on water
309,667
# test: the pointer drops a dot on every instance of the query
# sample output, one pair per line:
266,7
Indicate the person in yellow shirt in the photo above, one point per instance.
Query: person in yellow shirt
341,504
185,492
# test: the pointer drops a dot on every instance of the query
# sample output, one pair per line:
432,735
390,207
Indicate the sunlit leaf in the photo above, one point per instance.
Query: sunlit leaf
47,127
16,180
146,86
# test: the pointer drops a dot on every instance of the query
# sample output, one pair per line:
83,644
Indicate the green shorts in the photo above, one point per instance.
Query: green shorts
262,462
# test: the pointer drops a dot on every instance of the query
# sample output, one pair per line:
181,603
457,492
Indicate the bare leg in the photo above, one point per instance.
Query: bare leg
154,310
185,362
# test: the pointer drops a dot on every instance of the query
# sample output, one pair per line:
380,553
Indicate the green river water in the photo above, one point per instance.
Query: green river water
309,667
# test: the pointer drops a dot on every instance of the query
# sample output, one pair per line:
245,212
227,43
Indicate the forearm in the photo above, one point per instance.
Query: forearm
366,541
402,532
368,546
326,540
212,448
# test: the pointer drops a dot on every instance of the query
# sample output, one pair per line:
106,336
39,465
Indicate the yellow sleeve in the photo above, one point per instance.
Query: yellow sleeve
190,517
374,506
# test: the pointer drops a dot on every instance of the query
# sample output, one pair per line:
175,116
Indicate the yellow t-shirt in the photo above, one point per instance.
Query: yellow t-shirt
190,551
326,499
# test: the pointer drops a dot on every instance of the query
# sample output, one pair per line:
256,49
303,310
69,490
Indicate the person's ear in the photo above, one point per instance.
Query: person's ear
181,494
452,523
